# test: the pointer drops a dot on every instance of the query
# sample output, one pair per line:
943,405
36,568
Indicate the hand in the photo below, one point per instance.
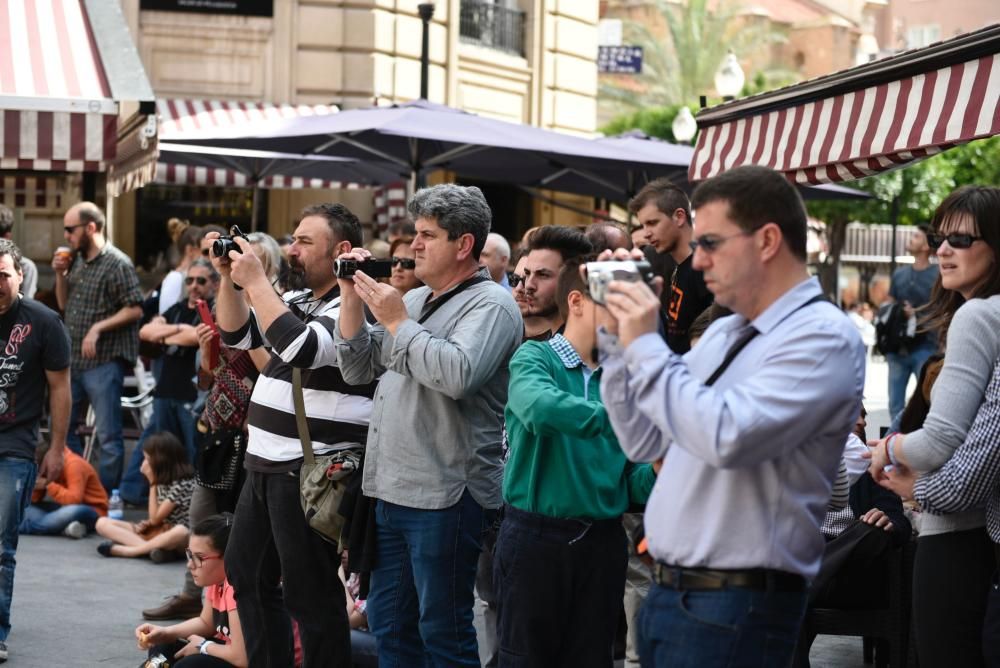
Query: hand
88,347
879,458
347,284
52,463
61,263
877,518
900,481
149,635
636,308
908,310
146,470
142,526
621,255
221,264
206,335
40,484
245,268
385,302
190,649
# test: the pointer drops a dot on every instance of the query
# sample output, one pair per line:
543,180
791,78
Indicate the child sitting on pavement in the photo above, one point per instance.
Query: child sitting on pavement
69,505
214,638
165,532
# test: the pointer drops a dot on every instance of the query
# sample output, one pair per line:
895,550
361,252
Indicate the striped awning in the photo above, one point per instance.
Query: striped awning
56,110
168,173
861,121
189,119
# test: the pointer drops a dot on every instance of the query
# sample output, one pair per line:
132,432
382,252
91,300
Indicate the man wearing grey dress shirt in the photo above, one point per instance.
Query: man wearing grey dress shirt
433,456
749,448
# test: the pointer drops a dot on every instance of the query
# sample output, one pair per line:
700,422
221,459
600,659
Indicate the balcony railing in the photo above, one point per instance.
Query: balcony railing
493,26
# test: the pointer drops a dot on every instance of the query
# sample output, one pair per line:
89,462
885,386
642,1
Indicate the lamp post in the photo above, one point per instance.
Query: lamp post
729,78
426,10
684,126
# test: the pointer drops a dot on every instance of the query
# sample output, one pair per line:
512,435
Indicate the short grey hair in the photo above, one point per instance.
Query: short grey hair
457,209
205,264
501,243
271,259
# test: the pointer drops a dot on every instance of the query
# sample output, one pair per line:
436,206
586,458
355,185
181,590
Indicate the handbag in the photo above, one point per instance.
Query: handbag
220,456
323,480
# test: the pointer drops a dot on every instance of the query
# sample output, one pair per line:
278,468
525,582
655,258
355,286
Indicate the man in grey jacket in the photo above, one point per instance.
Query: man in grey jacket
433,459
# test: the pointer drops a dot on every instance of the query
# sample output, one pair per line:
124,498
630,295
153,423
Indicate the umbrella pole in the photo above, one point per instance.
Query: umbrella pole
253,207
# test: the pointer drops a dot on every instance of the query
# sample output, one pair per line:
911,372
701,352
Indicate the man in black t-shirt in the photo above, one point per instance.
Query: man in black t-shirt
664,212
34,355
175,393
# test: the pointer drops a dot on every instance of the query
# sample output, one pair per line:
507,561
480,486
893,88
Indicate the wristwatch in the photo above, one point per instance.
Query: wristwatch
203,647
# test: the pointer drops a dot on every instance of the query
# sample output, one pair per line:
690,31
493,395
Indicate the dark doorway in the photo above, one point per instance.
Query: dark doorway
512,210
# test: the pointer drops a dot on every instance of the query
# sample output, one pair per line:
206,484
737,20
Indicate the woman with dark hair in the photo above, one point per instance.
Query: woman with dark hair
171,482
213,639
955,558
404,266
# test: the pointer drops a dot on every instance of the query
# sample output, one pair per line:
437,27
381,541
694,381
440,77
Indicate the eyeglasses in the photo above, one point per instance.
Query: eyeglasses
515,279
954,240
198,559
69,228
404,262
710,243
191,279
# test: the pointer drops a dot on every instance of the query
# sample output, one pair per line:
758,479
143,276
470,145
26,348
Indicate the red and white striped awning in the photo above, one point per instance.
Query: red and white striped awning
168,173
189,119
861,121
56,111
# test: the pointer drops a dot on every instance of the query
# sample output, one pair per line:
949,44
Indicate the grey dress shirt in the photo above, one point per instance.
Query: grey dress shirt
748,462
438,415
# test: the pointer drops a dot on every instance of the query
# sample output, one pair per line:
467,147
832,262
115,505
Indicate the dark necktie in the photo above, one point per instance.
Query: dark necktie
749,331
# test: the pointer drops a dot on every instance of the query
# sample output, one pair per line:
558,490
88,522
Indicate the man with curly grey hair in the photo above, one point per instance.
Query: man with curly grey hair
433,460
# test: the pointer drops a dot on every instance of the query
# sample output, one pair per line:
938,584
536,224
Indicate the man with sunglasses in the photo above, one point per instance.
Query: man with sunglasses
750,424
98,291
175,392
911,287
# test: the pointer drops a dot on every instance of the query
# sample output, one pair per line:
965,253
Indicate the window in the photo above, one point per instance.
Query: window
493,25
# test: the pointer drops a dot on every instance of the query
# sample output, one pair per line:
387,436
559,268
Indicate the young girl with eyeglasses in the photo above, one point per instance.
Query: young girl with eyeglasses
955,556
213,639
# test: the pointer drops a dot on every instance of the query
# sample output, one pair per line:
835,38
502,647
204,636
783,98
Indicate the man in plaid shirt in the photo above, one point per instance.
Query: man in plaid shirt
98,292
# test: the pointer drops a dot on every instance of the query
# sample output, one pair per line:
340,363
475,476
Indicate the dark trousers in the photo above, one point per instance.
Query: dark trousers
193,661
853,570
951,582
278,567
559,586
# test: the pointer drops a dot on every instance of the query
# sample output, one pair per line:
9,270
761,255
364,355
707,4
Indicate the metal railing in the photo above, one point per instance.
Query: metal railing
873,243
493,26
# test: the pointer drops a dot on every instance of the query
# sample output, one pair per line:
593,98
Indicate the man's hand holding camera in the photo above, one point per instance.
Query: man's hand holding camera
384,301
634,306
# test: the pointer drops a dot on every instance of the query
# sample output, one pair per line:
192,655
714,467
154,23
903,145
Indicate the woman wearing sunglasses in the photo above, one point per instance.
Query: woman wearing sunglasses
955,559
404,266
214,639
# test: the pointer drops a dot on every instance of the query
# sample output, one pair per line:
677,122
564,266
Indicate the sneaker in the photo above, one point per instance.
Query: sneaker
3,652
159,556
180,606
75,530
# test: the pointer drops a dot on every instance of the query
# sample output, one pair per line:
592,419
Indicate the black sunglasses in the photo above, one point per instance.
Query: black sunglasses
404,262
69,228
515,279
191,279
954,240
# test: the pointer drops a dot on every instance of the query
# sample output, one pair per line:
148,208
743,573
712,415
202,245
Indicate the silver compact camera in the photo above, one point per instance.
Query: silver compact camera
600,275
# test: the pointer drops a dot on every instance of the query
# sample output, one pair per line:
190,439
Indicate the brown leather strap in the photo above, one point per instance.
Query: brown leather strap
300,416
762,579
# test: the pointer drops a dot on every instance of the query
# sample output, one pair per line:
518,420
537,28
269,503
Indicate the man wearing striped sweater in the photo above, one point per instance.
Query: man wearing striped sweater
271,542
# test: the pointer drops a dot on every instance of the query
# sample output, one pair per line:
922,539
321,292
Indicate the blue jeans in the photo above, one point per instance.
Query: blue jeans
901,366
420,603
727,628
102,386
17,481
171,415
51,519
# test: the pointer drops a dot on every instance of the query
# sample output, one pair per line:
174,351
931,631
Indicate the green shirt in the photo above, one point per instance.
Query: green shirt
564,458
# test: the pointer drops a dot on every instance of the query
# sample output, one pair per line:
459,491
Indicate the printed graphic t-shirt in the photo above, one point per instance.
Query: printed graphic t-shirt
33,340
688,297
223,601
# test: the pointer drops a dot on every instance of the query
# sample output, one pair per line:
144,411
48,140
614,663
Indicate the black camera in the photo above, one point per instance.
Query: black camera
371,267
224,244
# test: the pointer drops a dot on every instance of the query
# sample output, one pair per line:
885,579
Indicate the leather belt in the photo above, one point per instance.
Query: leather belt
762,579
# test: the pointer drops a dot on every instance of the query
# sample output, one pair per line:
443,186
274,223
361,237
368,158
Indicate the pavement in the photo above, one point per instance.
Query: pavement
75,608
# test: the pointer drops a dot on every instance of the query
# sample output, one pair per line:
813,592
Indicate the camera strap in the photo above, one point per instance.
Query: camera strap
430,308
746,337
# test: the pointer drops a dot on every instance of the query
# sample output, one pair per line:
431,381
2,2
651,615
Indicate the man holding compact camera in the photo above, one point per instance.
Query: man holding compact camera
750,425
275,561
433,460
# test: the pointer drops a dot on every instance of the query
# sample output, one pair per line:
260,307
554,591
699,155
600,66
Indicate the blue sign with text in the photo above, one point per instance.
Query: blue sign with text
619,59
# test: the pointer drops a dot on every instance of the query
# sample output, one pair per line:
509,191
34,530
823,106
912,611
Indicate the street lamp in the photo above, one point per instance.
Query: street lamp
426,11
729,78
684,126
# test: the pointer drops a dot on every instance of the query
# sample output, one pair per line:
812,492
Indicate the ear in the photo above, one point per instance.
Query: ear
575,300
680,217
466,242
769,241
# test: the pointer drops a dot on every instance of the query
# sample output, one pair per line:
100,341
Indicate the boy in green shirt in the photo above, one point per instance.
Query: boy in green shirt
560,560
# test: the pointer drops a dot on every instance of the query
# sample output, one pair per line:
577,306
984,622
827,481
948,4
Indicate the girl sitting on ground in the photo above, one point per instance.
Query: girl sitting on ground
215,638
171,479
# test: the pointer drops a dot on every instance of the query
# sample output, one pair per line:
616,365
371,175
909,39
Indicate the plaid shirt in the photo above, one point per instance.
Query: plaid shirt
971,478
97,290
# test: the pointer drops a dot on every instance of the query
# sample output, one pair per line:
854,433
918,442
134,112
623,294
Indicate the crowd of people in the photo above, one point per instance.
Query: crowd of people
548,447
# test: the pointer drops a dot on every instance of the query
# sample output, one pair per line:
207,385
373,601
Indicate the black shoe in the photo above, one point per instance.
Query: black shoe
105,548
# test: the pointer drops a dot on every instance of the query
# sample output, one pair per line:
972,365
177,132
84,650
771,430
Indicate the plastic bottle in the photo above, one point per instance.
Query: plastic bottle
116,509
